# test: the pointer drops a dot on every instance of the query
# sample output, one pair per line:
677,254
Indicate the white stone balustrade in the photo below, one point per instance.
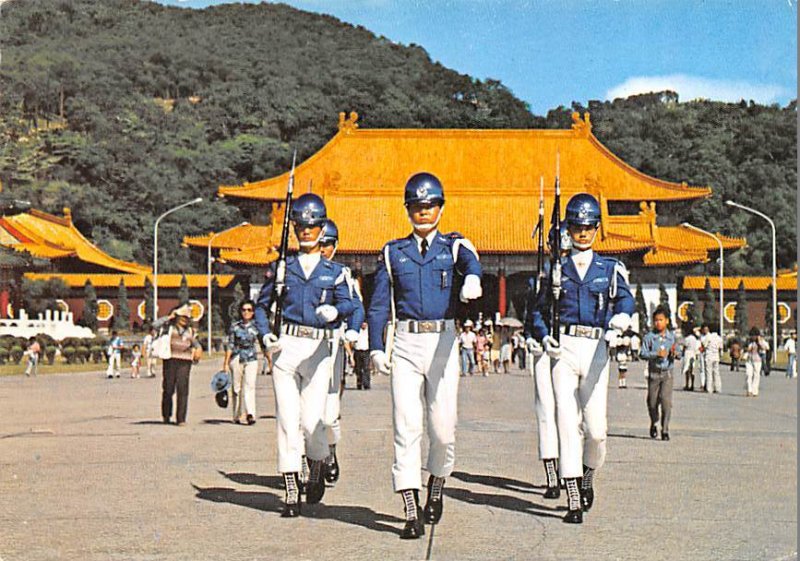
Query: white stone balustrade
57,325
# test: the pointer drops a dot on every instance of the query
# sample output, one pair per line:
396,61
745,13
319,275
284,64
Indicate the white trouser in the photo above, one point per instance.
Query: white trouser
688,363
701,363
544,405
752,373
424,376
333,403
244,387
301,375
151,365
580,383
713,376
114,364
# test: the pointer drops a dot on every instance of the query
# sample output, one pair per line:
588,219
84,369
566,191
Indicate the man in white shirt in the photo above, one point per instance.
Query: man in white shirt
690,348
467,344
712,343
791,350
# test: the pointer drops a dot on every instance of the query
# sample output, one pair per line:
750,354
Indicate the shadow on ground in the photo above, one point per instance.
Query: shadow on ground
268,502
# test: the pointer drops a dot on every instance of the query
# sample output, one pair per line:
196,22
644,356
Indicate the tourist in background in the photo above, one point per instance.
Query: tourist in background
735,351
482,352
33,352
466,342
241,359
791,350
147,348
184,350
712,346
136,361
691,348
115,347
756,346
660,350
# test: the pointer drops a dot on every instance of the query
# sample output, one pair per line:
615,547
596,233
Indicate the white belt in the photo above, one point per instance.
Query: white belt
582,331
306,331
425,325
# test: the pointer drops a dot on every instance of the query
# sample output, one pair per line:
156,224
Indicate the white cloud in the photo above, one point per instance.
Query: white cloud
693,87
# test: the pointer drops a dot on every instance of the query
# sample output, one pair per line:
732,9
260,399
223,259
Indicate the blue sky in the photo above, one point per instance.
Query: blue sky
553,52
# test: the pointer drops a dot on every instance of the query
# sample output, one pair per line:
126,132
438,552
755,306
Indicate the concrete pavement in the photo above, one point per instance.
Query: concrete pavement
89,472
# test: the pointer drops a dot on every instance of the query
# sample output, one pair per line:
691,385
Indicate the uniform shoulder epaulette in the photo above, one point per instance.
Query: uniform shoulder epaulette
454,236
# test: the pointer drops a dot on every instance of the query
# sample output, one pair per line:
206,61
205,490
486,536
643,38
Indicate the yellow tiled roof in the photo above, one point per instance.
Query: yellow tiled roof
76,280
237,237
52,237
786,281
663,257
377,162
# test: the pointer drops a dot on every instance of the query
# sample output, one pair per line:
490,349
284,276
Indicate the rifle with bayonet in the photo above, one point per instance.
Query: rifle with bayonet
555,257
280,271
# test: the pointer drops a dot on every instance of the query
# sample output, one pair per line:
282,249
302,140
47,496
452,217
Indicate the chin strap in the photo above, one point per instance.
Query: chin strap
584,247
427,228
314,243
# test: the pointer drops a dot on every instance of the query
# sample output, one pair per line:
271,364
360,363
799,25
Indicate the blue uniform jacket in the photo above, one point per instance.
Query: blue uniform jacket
424,287
301,297
602,293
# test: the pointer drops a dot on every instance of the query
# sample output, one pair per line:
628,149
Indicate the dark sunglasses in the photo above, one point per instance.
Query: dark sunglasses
247,309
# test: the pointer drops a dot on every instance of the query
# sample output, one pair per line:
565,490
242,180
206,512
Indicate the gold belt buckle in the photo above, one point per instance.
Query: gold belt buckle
305,331
583,331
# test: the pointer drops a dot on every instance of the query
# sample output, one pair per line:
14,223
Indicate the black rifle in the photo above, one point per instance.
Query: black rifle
555,257
280,270
540,273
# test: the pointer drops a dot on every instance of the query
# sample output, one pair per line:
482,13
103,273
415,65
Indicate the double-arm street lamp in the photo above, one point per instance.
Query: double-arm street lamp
775,341
155,250
210,261
721,274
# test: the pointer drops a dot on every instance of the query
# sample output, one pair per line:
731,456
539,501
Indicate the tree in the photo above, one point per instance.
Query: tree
238,297
694,314
39,296
183,291
710,316
90,309
149,308
741,323
641,309
663,299
122,319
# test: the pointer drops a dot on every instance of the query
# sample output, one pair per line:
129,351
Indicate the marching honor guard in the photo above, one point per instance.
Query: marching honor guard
595,307
544,401
348,334
417,282
315,298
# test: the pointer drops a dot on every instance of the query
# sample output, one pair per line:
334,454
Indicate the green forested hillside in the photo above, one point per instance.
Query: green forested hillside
123,108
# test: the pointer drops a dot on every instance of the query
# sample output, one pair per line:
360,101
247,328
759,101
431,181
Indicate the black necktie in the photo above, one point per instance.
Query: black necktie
423,247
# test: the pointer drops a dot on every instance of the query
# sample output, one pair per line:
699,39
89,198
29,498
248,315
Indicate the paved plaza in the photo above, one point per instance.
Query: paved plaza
89,472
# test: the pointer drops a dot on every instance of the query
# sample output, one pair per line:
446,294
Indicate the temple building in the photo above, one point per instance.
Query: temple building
758,292
74,260
492,184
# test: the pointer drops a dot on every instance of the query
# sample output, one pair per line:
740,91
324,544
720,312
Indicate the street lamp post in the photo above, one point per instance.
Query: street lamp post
155,250
721,275
210,261
774,275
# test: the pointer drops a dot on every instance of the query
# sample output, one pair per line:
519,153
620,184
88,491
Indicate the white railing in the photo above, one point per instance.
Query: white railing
58,325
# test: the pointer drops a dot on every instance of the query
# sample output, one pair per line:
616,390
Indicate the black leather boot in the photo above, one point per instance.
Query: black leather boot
434,504
553,490
414,528
291,505
587,491
315,488
574,513
332,467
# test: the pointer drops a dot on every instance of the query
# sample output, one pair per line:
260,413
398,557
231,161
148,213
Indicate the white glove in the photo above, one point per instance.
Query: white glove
471,290
620,322
611,337
271,342
381,362
327,313
551,347
351,335
534,346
